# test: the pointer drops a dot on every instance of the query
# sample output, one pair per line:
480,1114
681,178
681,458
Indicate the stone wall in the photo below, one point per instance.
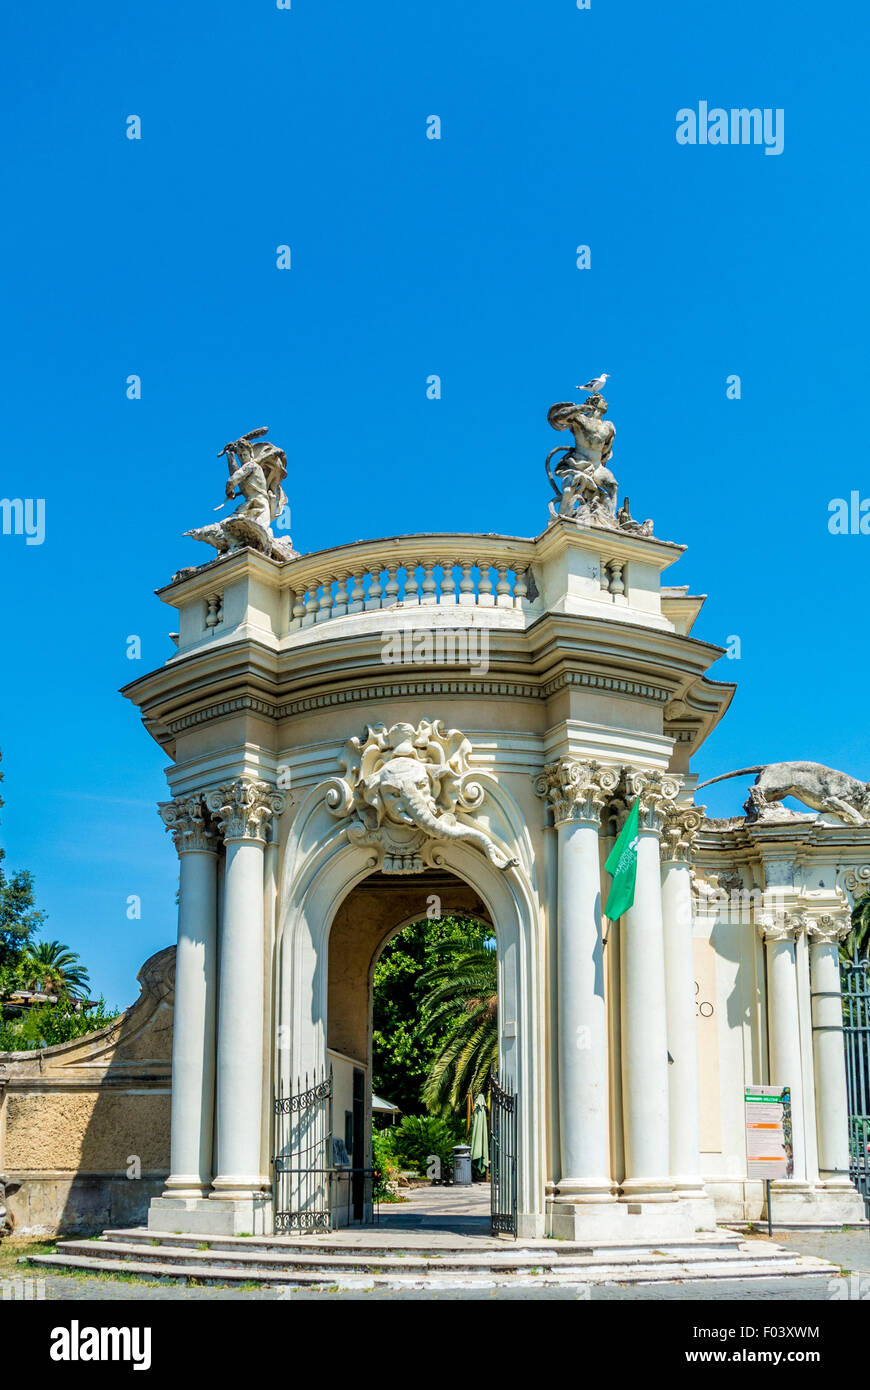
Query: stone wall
84,1125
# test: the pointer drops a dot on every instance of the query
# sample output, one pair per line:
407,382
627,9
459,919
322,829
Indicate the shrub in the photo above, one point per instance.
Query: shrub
420,1136
47,1024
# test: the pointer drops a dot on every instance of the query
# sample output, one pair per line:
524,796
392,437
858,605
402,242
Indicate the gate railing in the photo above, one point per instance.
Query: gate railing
303,1157
503,1158
856,1034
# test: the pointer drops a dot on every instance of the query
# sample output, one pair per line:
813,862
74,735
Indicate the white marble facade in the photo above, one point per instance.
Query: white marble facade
564,680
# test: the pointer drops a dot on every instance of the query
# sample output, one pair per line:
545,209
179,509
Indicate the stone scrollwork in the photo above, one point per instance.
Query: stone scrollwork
401,788
577,790
830,927
681,824
856,880
656,793
780,926
244,807
187,820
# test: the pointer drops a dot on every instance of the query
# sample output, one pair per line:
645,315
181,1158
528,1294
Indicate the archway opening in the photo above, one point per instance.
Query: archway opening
383,1038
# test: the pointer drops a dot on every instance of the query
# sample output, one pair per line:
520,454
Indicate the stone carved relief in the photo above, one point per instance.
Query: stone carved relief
577,790
257,468
681,825
244,807
657,794
187,820
856,881
819,787
400,789
588,492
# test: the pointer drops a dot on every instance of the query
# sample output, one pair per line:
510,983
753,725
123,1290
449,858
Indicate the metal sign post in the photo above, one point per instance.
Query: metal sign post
768,1137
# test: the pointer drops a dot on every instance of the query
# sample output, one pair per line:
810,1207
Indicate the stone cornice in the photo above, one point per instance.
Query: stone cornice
577,791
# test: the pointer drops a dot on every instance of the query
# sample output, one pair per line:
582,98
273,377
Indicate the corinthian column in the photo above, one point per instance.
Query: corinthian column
193,1025
644,1003
242,808
779,931
679,831
577,792
832,1103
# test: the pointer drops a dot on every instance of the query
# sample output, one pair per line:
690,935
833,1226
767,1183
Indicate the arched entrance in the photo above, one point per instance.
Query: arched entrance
337,913
370,917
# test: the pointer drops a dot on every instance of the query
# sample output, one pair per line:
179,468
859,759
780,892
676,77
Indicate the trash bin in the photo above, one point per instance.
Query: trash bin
462,1164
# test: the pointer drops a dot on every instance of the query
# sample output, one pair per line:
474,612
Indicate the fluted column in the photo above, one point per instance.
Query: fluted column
193,1031
577,792
832,1102
243,809
684,1122
644,1003
779,931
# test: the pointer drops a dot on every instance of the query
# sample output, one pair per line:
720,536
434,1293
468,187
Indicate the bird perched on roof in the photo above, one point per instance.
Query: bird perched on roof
595,385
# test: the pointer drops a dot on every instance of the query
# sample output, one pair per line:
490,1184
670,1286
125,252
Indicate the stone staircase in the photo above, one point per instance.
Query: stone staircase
408,1260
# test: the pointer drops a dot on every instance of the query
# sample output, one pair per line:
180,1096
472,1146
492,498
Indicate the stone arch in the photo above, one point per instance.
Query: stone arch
321,868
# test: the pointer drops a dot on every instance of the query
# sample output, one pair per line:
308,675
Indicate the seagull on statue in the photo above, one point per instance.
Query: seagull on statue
595,385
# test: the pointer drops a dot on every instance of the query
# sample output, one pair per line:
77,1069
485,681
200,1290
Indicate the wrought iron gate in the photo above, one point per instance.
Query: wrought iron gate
303,1157
503,1158
856,1030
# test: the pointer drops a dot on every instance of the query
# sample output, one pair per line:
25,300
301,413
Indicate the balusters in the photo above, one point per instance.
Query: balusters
325,610
503,587
466,587
375,590
412,588
485,597
311,604
448,583
429,595
339,607
391,588
357,597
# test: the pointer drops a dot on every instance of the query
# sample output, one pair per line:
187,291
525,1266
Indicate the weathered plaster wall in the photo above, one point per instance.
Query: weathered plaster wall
80,1120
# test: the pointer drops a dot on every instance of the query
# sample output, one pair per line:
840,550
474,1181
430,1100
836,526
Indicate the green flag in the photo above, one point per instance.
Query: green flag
622,864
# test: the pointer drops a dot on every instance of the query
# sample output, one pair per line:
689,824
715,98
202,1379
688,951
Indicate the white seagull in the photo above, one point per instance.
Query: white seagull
595,385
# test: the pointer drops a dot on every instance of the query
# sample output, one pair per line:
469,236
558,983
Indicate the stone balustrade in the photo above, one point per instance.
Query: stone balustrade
407,573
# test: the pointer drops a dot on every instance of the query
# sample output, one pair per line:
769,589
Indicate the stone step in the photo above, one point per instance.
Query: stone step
388,1243
388,1261
217,1271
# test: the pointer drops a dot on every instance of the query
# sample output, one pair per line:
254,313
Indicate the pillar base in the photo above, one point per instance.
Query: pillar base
648,1190
186,1185
245,1216
581,1190
823,1204
620,1220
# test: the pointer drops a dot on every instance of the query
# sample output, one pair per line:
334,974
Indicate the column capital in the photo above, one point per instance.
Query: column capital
830,927
780,926
242,808
577,791
187,820
681,825
656,793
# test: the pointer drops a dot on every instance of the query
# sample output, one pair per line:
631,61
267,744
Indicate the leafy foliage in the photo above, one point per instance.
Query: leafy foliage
55,969
420,1136
857,943
405,1040
47,1024
462,992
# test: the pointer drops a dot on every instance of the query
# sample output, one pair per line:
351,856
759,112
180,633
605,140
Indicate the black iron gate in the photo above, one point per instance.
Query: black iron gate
303,1157
856,1030
503,1158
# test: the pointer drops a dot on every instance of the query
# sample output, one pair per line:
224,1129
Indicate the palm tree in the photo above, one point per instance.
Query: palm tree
464,992
857,943
56,970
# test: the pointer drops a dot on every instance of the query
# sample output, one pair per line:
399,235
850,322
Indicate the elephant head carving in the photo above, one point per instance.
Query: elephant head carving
401,786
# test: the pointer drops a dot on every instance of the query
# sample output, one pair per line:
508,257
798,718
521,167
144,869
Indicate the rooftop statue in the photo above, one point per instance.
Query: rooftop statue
819,787
588,494
257,469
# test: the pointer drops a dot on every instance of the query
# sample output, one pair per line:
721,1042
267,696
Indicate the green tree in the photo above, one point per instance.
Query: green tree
858,940
463,993
55,969
19,918
404,1039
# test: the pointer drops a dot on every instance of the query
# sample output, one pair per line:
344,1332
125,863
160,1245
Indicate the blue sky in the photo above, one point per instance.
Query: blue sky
307,127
